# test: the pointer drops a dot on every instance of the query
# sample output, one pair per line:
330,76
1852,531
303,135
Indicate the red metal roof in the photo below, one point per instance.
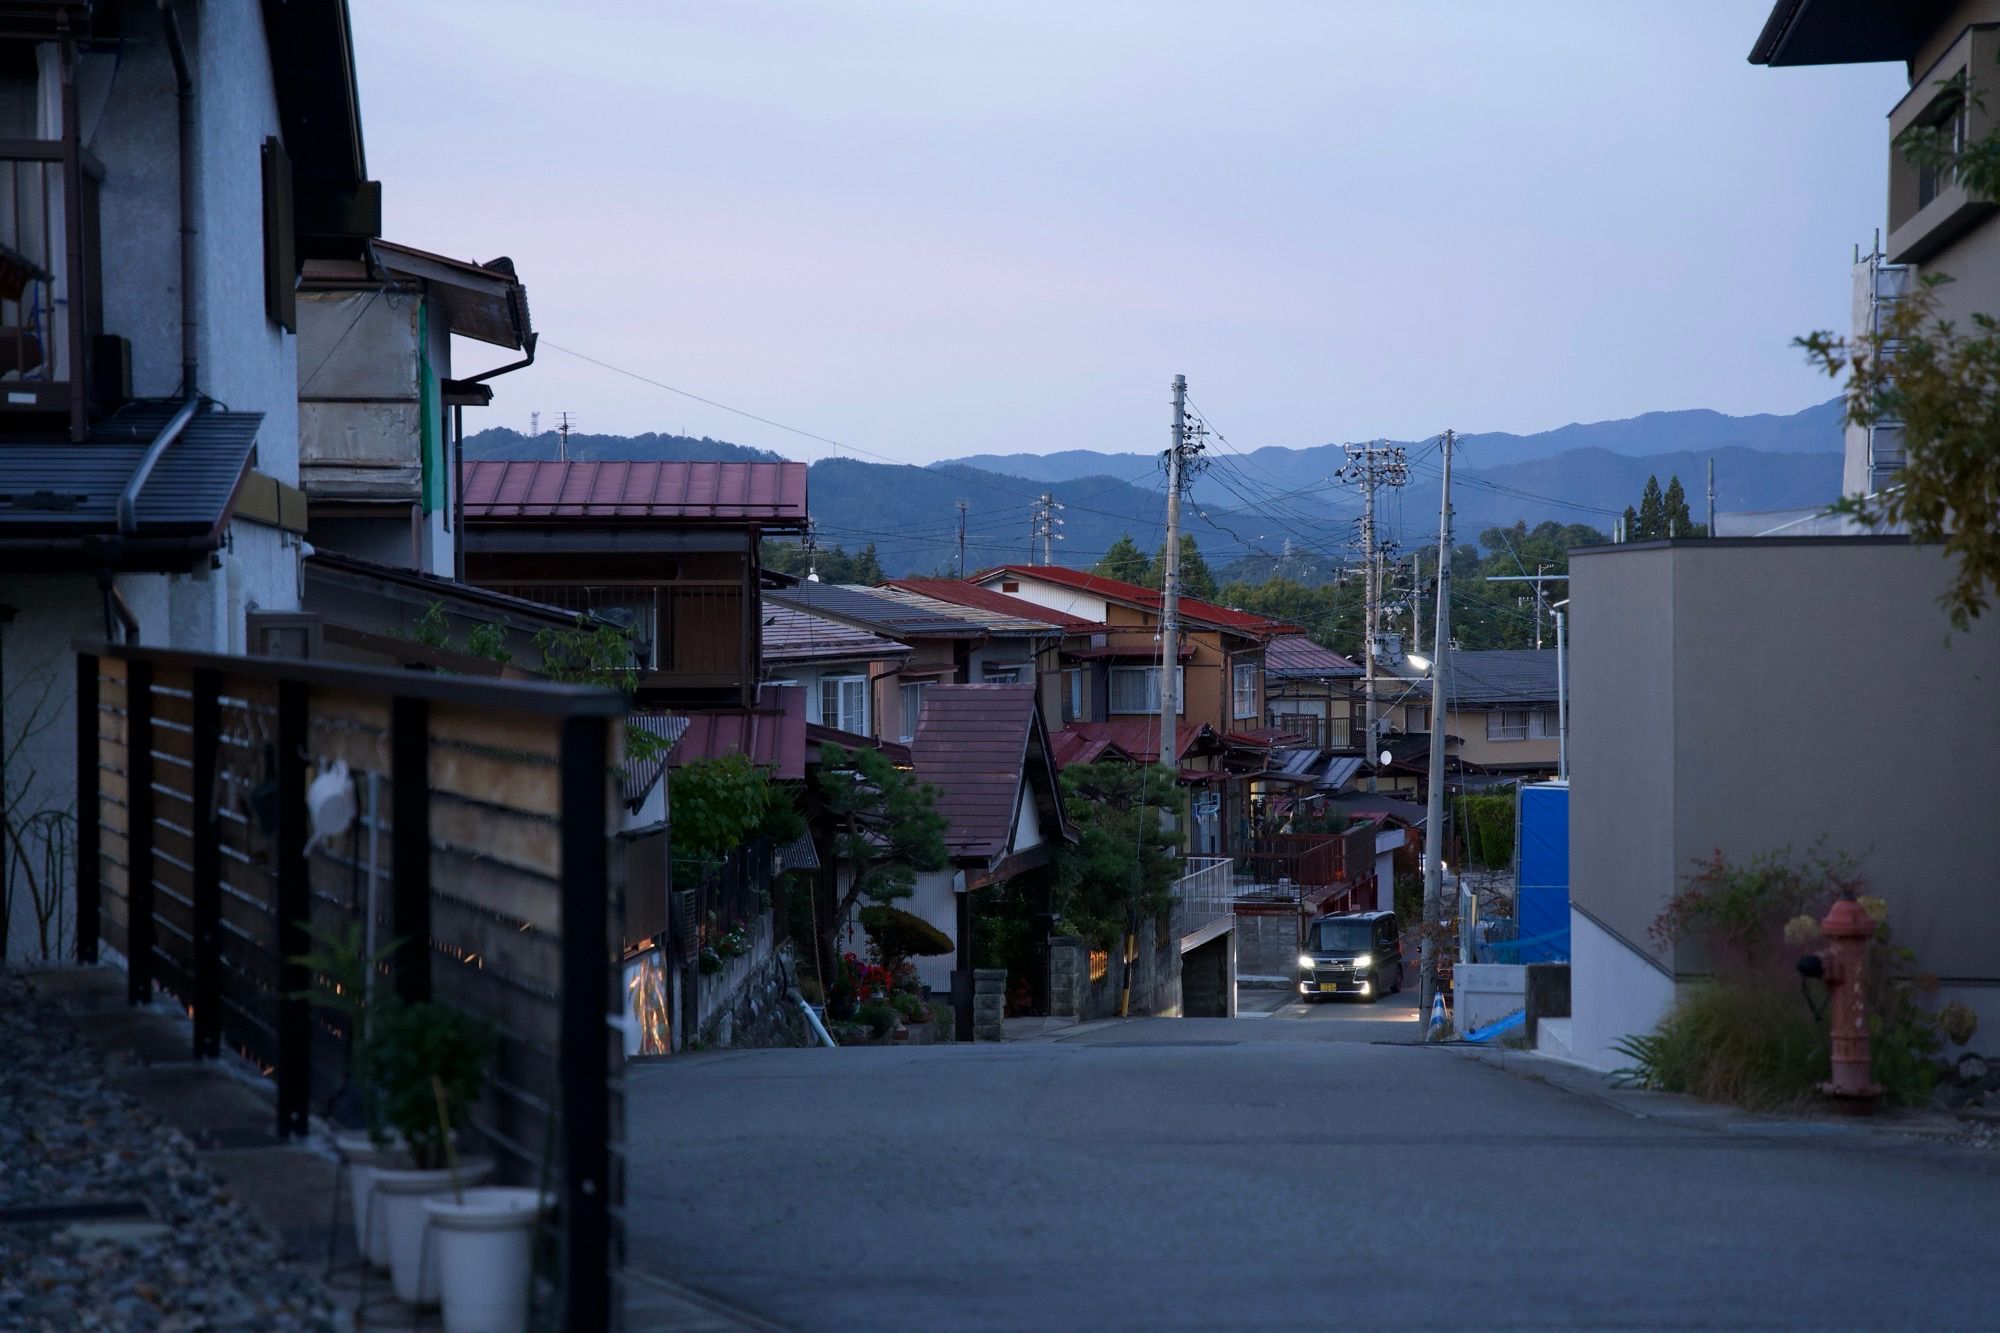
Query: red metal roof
1297,655
1137,738
769,494
773,733
961,593
1116,590
1074,747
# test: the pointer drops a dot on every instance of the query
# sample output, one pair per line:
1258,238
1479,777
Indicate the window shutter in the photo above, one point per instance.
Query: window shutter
281,265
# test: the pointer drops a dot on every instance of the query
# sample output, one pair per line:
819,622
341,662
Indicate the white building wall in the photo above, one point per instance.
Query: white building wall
1614,993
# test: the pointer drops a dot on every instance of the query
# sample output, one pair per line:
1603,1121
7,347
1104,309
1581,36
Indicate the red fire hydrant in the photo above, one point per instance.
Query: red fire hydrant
1844,967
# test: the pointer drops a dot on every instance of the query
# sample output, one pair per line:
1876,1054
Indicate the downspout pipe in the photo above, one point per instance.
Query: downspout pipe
128,499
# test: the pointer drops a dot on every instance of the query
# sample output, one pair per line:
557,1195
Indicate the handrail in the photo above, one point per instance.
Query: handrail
128,499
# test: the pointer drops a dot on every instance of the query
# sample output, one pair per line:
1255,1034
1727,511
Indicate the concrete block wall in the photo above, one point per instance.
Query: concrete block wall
989,1004
1156,977
1267,947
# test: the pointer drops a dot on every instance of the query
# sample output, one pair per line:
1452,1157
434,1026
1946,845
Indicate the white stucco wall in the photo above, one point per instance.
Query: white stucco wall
1614,993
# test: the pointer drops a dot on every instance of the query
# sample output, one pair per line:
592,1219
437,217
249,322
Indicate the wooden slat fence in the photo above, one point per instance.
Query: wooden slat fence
483,842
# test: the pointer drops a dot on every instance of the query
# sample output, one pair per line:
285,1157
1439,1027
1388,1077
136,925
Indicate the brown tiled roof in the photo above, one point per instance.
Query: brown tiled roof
1296,655
770,494
998,604
792,635
974,744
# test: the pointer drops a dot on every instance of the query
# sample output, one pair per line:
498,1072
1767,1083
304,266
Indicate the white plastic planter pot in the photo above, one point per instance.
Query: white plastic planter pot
485,1256
371,1239
399,1205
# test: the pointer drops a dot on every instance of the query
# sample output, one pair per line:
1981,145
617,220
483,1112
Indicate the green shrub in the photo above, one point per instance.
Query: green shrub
910,1007
877,1017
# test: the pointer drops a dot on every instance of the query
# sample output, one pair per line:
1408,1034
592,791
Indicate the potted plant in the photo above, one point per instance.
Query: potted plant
424,1065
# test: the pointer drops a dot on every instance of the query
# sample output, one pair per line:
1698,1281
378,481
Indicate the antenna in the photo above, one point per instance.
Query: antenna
534,424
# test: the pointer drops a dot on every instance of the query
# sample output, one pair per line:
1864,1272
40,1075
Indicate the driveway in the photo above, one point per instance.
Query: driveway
1204,1173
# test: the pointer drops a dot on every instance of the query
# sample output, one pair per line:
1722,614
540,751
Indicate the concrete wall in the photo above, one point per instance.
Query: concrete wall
1267,947
1156,977
1208,978
1754,696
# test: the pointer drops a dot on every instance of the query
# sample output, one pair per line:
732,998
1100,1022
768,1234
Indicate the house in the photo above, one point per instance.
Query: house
1221,676
1724,691
381,418
834,663
887,703
148,267
986,750
1051,637
1502,720
667,550
1309,692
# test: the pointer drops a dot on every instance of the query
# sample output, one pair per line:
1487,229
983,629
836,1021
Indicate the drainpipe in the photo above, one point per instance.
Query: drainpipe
128,499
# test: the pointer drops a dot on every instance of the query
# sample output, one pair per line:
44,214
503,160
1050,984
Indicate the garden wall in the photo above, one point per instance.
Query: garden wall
1156,978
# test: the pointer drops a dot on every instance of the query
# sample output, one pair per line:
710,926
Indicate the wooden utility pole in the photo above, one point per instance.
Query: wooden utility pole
1170,579
1372,465
961,539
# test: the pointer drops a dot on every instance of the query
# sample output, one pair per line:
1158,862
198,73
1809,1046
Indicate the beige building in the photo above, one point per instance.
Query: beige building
1951,53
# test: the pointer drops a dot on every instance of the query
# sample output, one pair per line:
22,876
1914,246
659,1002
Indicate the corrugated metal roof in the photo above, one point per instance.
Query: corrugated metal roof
818,735
992,621
635,784
997,604
769,494
792,635
866,608
72,490
972,743
773,733
1116,590
1501,676
1135,737
1294,655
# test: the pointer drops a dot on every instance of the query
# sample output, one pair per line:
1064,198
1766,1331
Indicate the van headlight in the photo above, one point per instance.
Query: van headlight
1364,962
1305,962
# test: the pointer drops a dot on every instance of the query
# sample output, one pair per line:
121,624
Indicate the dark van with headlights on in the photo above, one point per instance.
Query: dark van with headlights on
1352,953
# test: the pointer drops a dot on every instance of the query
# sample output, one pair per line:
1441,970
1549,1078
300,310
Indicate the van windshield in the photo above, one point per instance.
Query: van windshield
1341,936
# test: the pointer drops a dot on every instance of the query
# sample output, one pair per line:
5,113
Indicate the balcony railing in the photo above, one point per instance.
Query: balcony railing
1322,733
1204,895
684,633
1313,859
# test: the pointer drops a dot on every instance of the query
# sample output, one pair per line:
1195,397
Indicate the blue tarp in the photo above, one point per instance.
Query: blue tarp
1542,884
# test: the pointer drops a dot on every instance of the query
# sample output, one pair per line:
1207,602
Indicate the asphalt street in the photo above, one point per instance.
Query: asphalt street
1287,1170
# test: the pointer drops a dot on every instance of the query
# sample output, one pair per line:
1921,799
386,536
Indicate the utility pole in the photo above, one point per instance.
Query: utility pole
1416,603
563,420
1372,465
1170,580
811,545
1540,569
1711,497
1562,696
1434,809
961,538
1042,525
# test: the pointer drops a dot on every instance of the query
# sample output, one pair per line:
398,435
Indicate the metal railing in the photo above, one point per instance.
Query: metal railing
1204,895
1311,859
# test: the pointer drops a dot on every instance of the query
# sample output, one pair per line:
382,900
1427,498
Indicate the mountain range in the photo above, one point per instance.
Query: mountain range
1271,499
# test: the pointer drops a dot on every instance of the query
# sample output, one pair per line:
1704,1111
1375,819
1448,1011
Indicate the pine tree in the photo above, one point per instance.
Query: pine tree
1679,523
1124,561
1652,512
1631,524
1197,580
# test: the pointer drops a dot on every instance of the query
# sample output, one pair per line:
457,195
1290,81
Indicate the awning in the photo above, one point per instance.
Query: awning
773,734
59,502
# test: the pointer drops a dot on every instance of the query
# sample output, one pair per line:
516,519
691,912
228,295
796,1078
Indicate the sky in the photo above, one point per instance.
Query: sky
931,228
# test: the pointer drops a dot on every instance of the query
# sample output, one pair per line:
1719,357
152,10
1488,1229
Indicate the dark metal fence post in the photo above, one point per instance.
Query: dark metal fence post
585,1061
207,718
410,846
139,832
89,863
293,906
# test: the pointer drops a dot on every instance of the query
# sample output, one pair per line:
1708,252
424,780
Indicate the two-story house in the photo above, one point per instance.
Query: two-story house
1225,740
1501,716
833,663
167,168
1309,693
667,550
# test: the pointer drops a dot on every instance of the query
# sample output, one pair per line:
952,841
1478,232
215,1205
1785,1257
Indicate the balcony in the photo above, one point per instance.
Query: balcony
50,302
685,635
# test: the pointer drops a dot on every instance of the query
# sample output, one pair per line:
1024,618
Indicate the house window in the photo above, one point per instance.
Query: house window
1073,695
1137,690
1507,724
843,703
1950,121
1002,673
1544,724
1416,718
913,709
1243,692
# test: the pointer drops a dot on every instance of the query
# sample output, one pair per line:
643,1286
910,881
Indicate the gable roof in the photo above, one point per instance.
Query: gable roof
792,635
995,622
1296,656
772,495
998,604
1145,599
977,744
1135,738
865,608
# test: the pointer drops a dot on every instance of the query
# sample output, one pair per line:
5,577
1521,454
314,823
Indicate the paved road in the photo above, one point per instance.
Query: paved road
1342,1018
1207,1173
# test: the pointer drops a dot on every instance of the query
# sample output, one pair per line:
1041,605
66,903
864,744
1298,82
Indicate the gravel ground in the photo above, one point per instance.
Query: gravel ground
193,1259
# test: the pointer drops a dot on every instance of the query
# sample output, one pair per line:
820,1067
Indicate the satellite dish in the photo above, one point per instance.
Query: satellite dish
1387,758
